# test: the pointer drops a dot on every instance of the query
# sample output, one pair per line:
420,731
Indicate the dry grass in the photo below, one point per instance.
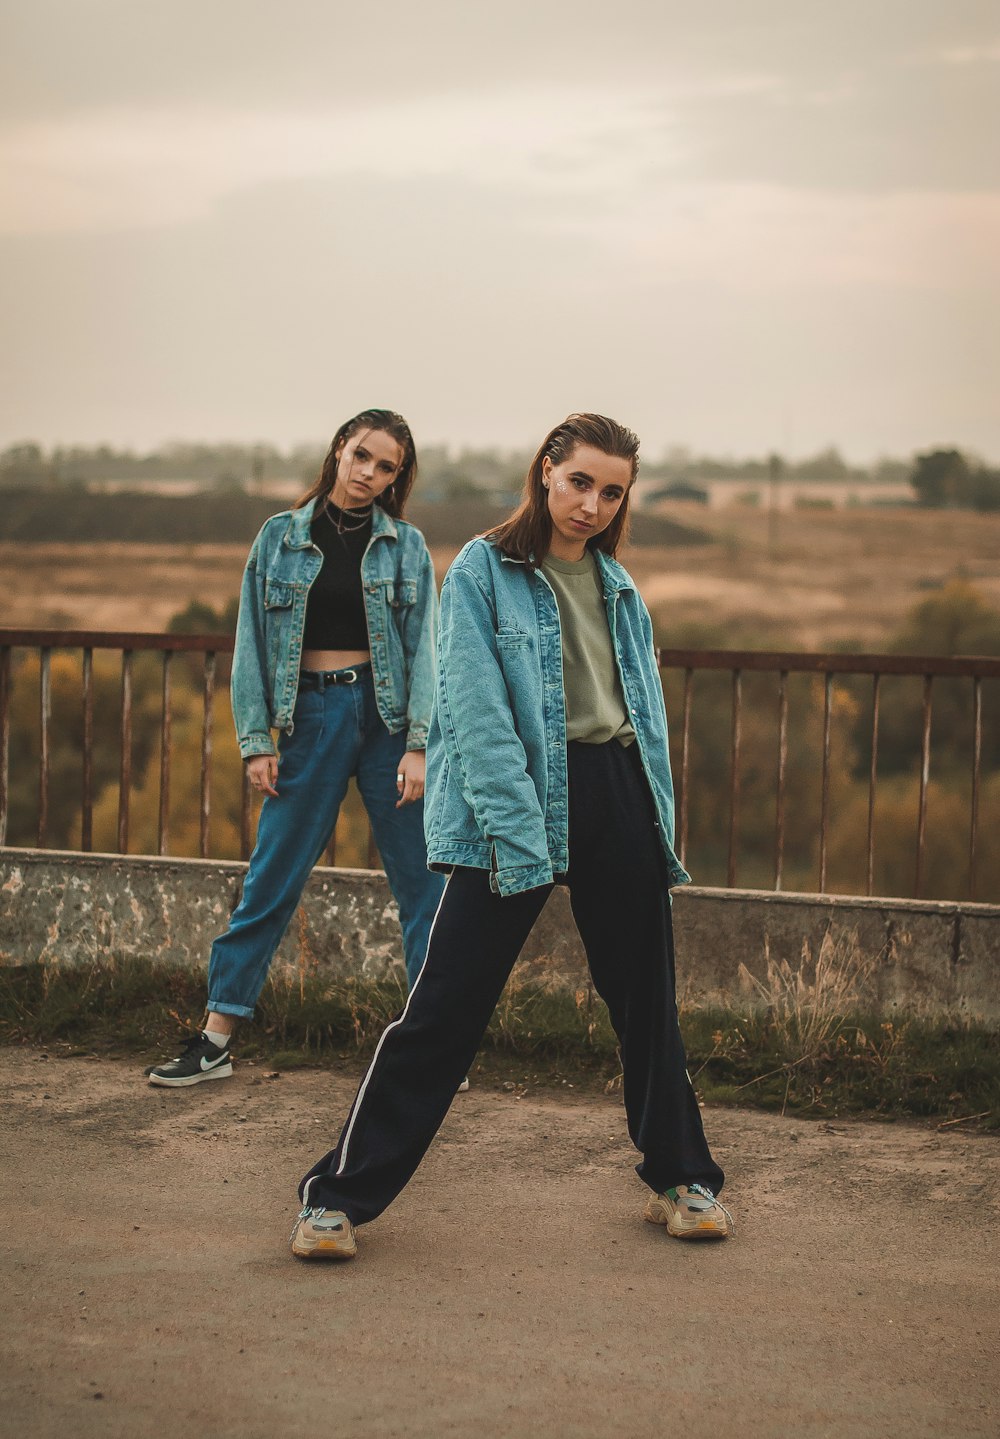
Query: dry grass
845,576
835,576
807,1007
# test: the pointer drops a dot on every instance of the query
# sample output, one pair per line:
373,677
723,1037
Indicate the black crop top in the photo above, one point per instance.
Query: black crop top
335,610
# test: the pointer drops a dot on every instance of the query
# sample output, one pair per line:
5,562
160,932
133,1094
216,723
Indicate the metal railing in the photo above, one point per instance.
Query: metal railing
128,644
845,666
686,663
87,641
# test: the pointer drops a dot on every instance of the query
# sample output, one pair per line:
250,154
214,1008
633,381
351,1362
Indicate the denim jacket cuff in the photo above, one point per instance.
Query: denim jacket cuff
417,738
256,744
519,879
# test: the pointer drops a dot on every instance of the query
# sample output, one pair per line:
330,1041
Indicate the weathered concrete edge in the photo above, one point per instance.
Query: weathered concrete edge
933,957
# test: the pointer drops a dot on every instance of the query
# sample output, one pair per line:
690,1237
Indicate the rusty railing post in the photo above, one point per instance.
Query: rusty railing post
4,740
166,757
125,771
44,722
87,788
977,754
206,754
825,794
685,808
925,770
779,817
734,778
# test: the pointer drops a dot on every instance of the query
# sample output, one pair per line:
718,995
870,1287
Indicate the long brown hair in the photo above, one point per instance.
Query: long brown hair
393,498
527,533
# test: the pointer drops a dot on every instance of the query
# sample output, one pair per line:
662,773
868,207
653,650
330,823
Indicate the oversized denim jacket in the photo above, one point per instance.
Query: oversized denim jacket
496,795
400,607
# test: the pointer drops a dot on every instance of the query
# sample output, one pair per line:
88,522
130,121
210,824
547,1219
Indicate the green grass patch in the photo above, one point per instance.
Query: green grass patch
905,1067
853,1063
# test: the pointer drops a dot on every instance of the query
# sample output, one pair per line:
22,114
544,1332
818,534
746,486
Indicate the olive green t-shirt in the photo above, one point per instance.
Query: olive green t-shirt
595,704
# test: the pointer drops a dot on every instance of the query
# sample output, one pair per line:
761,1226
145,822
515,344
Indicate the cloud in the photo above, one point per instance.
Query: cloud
760,237
986,54
607,173
165,167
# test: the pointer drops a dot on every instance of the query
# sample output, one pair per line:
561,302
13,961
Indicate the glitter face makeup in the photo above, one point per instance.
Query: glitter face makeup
585,492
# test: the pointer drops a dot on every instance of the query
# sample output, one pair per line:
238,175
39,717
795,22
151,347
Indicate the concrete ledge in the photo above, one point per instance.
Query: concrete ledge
930,957
68,908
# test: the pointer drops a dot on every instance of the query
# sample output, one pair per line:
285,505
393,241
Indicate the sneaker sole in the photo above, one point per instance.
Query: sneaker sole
325,1251
705,1231
222,1072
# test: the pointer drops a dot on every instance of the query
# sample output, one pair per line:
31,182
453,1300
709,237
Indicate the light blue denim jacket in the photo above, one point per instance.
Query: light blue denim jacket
400,606
496,794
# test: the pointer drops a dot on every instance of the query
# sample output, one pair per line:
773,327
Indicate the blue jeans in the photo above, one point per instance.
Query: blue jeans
337,733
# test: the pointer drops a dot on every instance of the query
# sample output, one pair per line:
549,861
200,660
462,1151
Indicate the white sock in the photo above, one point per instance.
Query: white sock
222,1040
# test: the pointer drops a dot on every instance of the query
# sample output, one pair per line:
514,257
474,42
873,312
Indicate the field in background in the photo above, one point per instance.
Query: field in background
819,580
825,579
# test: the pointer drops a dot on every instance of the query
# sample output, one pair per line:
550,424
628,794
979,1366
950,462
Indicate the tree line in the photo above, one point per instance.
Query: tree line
948,479
938,477
28,516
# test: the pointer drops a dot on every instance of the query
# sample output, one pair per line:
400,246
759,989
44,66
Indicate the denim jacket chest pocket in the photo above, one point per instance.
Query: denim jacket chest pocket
402,593
397,593
278,594
284,605
511,637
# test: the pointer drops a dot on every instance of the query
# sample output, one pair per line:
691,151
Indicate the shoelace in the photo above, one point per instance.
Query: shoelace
307,1213
707,1194
317,1213
189,1044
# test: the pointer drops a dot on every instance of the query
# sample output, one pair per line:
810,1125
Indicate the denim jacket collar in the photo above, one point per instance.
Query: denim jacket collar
613,576
298,536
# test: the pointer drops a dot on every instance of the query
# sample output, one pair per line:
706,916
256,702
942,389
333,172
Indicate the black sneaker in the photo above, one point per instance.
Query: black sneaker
201,1058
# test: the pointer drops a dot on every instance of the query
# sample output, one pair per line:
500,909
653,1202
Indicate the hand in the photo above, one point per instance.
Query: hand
263,772
410,777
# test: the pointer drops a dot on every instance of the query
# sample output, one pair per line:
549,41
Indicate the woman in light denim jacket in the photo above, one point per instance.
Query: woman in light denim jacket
335,648
547,763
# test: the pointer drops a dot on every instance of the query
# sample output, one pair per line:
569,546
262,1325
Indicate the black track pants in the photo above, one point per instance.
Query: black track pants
618,890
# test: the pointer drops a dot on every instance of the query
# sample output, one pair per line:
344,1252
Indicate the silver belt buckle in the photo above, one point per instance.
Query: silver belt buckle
350,678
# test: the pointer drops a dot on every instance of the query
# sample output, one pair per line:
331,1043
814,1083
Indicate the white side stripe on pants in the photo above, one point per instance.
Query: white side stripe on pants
378,1048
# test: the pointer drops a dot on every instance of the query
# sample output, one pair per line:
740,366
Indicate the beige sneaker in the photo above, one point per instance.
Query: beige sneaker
690,1212
323,1234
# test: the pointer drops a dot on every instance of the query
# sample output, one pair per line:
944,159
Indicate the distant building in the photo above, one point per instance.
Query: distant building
679,490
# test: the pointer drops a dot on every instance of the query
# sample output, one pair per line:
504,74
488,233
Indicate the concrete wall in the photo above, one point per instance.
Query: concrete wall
68,908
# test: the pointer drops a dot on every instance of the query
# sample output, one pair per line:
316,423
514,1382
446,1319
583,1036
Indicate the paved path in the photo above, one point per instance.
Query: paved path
512,1291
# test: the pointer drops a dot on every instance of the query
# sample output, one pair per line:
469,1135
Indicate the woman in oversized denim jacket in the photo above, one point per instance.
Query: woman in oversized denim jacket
547,763
335,647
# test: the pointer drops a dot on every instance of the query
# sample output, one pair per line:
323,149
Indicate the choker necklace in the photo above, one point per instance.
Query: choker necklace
338,516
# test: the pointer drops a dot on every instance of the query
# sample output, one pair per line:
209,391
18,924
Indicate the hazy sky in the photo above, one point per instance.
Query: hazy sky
734,226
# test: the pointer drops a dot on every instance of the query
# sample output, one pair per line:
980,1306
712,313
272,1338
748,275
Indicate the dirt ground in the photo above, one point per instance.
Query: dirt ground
512,1290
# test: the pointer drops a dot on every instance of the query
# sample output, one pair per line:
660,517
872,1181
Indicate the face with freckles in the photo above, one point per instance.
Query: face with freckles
367,464
584,493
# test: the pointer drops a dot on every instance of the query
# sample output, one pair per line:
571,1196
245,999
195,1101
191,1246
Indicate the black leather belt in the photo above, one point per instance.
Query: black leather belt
319,679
